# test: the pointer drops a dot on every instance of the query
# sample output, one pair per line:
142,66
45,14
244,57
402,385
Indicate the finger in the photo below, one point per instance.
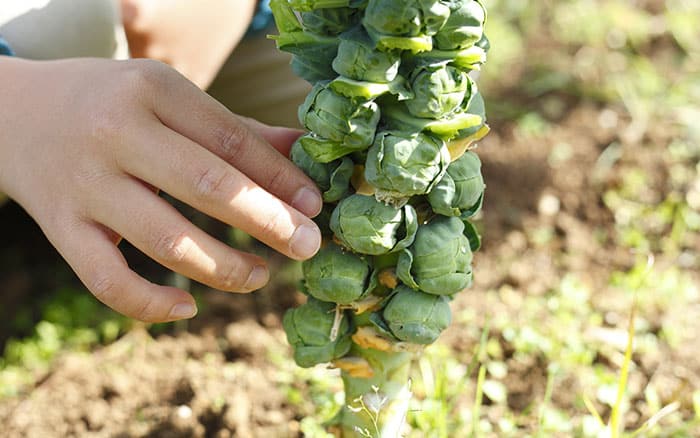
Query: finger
205,121
161,232
206,182
102,268
279,137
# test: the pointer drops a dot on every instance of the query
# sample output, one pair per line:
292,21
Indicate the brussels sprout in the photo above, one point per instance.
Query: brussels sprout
406,18
349,123
402,164
439,261
313,53
308,329
358,60
337,276
470,58
310,5
370,90
332,178
464,27
438,90
417,317
468,119
404,24
368,226
476,108
461,191
331,21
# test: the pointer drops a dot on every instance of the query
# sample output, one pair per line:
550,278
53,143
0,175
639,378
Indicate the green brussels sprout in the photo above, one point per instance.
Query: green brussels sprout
338,276
333,178
470,58
460,192
330,21
464,27
308,329
439,261
368,226
358,60
311,58
439,90
402,164
349,124
406,18
405,24
311,5
370,90
466,120
416,317
312,54
474,107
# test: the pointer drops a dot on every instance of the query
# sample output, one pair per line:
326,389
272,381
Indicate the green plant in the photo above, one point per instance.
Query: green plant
391,117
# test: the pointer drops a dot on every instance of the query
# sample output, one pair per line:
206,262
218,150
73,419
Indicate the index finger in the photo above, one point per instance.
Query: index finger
239,142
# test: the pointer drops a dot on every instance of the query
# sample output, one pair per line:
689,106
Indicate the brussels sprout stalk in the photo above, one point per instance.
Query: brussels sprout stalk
379,403
392,118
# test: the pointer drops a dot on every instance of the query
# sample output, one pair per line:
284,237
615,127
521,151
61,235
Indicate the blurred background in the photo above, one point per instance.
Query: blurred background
592,215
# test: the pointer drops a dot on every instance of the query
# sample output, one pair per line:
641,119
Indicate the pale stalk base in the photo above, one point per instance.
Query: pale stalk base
377,405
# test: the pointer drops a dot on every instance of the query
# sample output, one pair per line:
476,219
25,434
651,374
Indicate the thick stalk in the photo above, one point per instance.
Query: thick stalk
377,405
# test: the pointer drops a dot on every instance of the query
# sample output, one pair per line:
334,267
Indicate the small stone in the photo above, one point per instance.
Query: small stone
608,119
184,412
549,205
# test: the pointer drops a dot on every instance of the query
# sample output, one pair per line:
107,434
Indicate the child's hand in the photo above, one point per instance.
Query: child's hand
85,143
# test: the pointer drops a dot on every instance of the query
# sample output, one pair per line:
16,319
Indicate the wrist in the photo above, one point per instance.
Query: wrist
12,71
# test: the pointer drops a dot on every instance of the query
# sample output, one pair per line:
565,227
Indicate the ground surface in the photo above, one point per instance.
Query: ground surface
581,187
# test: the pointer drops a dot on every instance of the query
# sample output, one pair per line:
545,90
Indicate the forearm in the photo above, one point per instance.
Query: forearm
193,36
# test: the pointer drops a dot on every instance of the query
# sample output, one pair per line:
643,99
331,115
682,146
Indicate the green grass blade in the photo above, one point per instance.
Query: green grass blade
616,413
592,410
477,402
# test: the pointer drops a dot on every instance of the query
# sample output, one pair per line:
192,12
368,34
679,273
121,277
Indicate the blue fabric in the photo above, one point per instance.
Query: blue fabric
262,18
5,48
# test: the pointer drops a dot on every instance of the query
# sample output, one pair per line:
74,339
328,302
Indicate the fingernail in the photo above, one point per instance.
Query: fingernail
307,201
258,278
182,310
305,241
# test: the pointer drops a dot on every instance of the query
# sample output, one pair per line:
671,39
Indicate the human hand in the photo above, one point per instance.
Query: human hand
85,143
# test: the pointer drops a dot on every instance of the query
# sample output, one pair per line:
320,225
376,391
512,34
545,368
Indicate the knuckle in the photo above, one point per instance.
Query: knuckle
280,179
274,225
172,248
144,312
146,73
104,288
212,183
230,278
231,141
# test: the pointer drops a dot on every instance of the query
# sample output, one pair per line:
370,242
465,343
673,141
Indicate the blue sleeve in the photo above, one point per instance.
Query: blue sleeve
262,18
5,48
